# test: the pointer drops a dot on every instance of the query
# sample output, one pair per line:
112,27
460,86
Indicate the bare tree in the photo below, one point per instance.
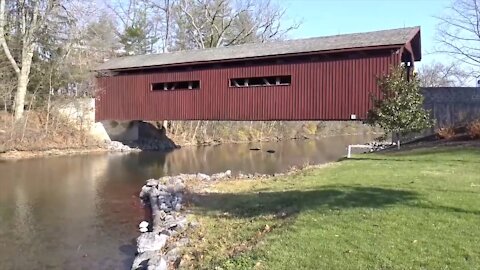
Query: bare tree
25,23
440,75
164,19
459,31
217,23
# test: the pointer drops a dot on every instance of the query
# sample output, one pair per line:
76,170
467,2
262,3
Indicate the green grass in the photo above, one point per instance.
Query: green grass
408,210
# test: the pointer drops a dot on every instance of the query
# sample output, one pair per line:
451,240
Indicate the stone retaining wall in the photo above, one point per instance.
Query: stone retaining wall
452,106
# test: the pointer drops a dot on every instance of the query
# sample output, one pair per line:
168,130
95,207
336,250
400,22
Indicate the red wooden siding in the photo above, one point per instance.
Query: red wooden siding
320,90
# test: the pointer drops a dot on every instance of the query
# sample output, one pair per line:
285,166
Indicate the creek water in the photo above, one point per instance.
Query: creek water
82,212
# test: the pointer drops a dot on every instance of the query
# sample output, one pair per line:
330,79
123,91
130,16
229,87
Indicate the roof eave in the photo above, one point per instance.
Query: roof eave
356,49
415,43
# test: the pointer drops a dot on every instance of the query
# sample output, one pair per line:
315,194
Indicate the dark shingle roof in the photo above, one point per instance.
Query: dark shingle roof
317,44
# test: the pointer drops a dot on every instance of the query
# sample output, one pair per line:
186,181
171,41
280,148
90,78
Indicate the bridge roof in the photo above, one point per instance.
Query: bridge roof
354,42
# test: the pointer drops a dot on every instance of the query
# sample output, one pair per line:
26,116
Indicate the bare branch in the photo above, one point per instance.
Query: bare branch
215,23
459,32
6,49
440,75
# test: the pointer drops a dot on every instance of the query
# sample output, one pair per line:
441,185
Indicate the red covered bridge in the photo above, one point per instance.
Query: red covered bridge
325,78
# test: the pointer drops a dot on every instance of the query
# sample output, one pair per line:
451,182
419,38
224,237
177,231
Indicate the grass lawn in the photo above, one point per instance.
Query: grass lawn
418,209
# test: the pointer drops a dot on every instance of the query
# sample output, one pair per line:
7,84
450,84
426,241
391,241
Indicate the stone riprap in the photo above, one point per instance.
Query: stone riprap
140,145
378,146
147,144
116,146
156,248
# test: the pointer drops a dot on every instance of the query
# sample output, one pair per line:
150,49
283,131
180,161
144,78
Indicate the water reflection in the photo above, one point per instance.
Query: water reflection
81,212
239,157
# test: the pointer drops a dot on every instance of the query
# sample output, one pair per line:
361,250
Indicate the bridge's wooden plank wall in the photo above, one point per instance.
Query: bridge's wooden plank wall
323,87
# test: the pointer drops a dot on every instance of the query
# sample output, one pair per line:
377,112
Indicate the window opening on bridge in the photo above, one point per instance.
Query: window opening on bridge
261,81
168,86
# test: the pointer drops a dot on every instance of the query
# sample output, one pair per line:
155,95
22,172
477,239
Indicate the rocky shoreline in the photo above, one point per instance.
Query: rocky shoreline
165,199
160,245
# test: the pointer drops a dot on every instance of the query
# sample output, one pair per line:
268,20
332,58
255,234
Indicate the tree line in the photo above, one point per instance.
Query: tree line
49,47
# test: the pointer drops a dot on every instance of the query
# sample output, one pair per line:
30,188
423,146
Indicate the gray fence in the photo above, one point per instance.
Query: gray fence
452,106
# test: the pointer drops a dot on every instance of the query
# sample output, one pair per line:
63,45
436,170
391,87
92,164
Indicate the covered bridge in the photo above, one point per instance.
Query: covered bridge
324,78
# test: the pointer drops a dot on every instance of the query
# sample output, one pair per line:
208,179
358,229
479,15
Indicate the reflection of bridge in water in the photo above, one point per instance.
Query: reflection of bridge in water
239,157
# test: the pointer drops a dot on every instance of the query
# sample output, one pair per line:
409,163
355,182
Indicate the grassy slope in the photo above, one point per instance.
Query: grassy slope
412,210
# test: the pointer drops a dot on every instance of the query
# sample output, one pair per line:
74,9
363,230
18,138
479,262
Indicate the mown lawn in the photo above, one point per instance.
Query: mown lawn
407,210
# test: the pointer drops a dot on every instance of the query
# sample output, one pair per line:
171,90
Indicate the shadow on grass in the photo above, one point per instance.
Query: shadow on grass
251,205
294,201
451,209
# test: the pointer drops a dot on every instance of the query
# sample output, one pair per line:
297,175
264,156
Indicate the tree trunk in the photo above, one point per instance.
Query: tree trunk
22,82
20,95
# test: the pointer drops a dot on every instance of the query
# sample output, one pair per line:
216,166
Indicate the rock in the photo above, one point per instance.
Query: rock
179,187
173,254
164,207
171,223
165,198
152,183
170,188
157,263
118,147
155,192
176,188
220,176
151,242
169,232
163,194
141,260
182,222
185,177
175,180
161,214
162,187
203,177
143,226
144,192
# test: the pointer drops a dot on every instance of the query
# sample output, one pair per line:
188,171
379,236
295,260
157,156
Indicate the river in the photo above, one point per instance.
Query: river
82,212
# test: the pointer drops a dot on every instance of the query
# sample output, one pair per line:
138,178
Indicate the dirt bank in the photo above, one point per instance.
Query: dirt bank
17,155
